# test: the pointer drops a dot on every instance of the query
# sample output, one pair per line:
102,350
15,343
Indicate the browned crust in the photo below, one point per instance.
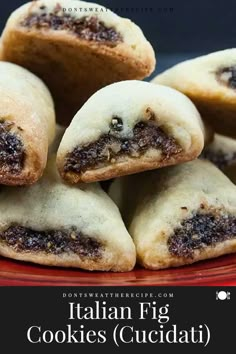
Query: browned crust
148,258
219,115
216,109
33,135
148,261
105,263
33,169
73,68
34,166
126,167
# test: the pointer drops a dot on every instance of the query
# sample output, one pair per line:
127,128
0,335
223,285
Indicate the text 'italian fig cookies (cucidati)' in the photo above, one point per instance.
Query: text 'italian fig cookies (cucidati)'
27,125
210,82
53,224
178,215
128,127
76,47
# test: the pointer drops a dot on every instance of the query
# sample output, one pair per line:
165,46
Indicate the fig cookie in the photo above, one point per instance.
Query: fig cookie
210,82
27,125
54,224
128,127
221,152
75,52
178,215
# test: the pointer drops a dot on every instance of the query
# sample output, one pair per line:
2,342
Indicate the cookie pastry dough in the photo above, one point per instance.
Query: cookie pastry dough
76,51
221,152
54,224
210,82
27,124
128,127
178,215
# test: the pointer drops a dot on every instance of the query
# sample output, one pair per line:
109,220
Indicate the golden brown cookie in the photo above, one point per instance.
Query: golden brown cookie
129,127
75,52
27,125
178,215
210,82
54,224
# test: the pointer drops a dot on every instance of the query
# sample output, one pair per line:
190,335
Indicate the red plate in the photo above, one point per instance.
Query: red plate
220,271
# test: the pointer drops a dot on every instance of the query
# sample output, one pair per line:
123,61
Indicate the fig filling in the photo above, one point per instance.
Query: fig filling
200,231
110,146
228,76
55,242
11,149
219,158
88,28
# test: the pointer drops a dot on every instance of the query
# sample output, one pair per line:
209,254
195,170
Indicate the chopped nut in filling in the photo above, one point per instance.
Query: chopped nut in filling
88,28
56,242
228,76
109,147
12,153
200,231
219,158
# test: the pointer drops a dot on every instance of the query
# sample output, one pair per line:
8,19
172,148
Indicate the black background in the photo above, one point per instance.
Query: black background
45,307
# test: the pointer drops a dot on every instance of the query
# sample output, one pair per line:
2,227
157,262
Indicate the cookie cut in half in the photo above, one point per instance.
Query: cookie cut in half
210,82
76,47
178,215
27,125
128,127
54,224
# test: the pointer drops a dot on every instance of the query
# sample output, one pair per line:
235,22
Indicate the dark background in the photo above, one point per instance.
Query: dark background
189,29
189,307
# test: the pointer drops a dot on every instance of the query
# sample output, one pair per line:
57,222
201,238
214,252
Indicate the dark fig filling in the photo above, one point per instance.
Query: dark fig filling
12,153
200,231
110,146
228,76
88,28
219,158
55,242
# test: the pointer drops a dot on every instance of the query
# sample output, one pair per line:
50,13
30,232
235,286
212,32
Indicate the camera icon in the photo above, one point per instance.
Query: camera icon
222,295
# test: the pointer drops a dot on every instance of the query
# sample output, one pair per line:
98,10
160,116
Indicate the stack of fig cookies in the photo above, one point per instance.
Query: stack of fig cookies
126,177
